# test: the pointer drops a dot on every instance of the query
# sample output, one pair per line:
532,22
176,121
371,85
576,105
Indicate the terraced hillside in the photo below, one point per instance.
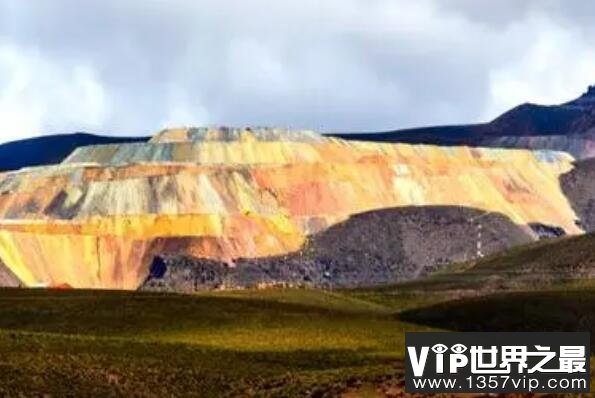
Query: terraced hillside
100,218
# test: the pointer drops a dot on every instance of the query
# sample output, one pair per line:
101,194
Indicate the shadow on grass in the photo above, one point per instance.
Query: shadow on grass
109,313
570,311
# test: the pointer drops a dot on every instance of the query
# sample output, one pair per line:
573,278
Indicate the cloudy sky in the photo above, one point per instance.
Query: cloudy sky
131,67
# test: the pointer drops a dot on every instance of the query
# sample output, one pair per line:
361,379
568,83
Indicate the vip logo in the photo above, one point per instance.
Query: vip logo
485,360
516,360
456,360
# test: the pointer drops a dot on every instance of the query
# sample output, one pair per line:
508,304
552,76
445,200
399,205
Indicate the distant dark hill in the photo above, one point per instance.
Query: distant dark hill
570,310
438,135
572,118
50,149
568,127
533,119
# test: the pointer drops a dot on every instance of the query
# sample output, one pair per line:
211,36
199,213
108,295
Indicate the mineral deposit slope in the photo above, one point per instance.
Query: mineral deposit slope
7,278
98,219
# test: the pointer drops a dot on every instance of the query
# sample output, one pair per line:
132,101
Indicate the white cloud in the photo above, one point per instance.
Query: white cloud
554,67
183,111
37,96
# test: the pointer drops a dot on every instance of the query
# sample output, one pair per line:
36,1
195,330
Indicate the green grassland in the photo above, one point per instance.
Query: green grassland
277,342
270,342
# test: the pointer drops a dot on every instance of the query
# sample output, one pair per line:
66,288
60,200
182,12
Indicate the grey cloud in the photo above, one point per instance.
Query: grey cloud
134,66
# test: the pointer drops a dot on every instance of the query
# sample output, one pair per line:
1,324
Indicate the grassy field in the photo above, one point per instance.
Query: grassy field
270,342
295,342
246,343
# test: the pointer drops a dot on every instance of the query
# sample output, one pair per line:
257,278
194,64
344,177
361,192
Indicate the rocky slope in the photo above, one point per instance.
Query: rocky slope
100,218
581,146
566,127
371,248
547,263
579,186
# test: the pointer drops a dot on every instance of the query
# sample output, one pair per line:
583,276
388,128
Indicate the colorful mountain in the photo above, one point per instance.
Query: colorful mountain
100,218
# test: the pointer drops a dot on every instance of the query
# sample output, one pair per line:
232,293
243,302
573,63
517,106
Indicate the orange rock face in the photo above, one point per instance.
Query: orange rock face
98,219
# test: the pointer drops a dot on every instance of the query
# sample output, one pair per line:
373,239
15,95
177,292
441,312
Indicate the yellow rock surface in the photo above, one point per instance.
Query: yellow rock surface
98,219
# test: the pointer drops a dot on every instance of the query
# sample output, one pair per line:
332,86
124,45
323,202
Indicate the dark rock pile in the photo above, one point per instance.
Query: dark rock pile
377,247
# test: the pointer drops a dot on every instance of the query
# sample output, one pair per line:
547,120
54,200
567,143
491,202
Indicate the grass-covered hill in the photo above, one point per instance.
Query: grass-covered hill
263,343
544,264
545,286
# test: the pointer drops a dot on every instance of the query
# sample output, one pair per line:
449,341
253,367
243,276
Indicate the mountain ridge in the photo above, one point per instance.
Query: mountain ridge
51,149
569,127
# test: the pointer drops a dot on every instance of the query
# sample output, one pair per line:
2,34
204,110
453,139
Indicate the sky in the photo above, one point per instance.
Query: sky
121,67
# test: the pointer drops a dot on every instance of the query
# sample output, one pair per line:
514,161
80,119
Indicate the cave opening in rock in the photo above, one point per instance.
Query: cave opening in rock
158,268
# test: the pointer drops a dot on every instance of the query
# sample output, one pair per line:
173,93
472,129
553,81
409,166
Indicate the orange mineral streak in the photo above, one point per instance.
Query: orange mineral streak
98,219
